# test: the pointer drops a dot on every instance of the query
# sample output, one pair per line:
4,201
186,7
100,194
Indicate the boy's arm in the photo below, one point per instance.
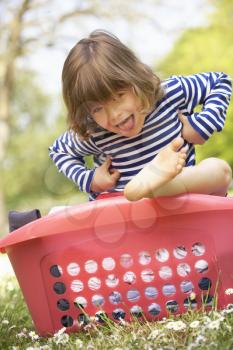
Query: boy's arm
213,92
188,132
68,154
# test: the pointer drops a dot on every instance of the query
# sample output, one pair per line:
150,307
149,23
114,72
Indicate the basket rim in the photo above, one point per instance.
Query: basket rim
84,215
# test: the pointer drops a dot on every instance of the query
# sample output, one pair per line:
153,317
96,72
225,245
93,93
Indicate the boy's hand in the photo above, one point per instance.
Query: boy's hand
104,179
188,132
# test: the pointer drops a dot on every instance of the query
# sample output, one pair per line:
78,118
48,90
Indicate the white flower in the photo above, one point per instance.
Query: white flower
169,325
154,334
33,335
61,331
78,343
45,347
5,322
216,314
62,339
192,296
12,327
21,335
214,324
227,311
176,325
200,339
206,319
180,325
229,291
191,346
194,324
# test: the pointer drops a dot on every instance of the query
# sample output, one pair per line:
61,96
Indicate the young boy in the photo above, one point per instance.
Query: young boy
140,131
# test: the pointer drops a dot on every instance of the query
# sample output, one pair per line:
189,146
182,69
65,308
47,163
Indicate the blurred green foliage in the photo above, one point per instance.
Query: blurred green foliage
29,174
31,179
209,48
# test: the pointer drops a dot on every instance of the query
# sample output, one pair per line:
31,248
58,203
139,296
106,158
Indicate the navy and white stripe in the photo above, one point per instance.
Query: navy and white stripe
130,155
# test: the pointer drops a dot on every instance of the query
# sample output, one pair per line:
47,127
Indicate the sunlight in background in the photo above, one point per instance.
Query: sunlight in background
151,35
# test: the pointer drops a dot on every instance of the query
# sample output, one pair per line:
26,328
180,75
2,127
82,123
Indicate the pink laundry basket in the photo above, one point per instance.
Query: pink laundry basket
125,259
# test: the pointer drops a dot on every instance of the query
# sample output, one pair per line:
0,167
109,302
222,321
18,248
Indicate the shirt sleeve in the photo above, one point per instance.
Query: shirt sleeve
213,92
68,154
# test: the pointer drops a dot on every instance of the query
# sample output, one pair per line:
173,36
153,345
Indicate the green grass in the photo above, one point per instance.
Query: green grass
193,330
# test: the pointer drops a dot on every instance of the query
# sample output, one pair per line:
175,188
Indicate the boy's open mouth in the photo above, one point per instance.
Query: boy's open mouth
127,124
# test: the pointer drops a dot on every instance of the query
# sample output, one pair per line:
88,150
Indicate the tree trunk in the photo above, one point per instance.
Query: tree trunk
4,138
3,219
12,52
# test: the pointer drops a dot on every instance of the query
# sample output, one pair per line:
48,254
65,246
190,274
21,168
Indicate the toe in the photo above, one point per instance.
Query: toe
179,167
182,161
177,143
183,155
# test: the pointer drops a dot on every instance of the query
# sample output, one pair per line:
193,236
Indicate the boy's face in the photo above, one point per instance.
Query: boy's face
121,115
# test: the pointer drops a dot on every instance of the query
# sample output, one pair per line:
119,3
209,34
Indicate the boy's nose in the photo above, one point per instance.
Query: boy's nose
115,114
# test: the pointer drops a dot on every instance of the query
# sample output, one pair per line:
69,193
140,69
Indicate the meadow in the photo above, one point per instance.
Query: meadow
196,329
37,184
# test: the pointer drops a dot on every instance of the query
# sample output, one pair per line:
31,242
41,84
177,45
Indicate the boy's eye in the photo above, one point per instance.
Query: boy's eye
96,110
118,95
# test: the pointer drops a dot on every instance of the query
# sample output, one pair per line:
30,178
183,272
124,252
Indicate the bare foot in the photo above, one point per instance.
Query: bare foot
164,167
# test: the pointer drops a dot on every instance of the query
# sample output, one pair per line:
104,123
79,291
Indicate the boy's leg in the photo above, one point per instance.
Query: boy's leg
162,169
210,176
163,176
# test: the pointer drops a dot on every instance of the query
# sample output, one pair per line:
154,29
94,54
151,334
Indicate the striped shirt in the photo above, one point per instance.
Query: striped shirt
161,126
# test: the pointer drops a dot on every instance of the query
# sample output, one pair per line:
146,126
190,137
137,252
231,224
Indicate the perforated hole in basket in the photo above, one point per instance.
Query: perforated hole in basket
130,284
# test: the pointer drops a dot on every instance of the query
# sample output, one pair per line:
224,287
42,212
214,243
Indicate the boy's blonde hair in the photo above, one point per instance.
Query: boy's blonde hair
95,69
